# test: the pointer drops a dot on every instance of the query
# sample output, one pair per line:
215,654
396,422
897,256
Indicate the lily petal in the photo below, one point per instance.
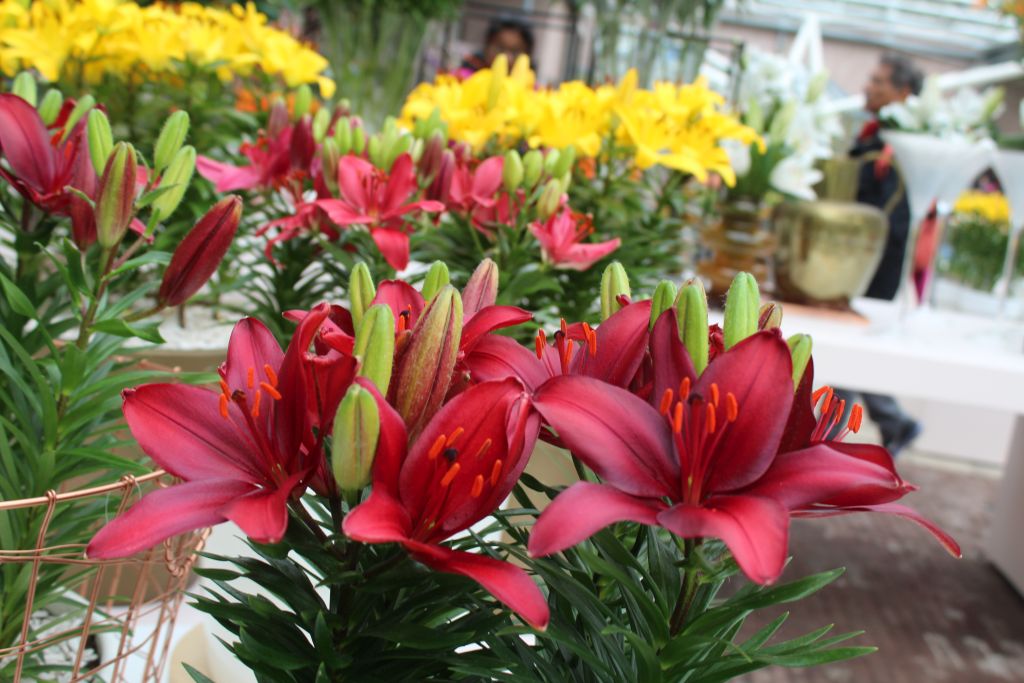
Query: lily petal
496,357
263,514
164,513
393,245
669,357
756,530
25,143
378,519
487,320
947,541
226,177
582,510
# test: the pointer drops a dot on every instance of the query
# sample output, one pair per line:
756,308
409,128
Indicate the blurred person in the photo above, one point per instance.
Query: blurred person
509,37
893,79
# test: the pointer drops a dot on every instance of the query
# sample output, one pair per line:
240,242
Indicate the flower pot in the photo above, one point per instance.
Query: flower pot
95,619
828,251
740,242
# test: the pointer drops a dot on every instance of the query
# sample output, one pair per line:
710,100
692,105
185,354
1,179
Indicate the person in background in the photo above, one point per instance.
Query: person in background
893,79
504,36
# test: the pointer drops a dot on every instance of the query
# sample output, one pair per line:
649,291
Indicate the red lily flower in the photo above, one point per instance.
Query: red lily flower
275,161
612,353
561,240
711,451
239,451
464,463
379,200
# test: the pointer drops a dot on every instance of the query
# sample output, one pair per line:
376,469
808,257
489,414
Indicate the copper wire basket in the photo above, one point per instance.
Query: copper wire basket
123,611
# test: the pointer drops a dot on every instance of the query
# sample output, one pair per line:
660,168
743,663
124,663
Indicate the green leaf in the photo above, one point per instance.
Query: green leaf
196,675
161,257
120,328
19,303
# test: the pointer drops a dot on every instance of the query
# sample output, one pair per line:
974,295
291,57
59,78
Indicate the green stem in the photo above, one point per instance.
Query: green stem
687,592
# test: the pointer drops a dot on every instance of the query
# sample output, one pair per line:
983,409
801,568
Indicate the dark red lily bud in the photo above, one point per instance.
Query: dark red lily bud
430,161
303,144
199,254
439,188
278,119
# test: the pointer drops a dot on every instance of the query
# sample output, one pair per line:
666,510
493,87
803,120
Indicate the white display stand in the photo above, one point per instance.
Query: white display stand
962,359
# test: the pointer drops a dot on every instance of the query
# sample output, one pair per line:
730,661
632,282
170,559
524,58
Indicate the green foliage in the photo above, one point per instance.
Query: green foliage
976,251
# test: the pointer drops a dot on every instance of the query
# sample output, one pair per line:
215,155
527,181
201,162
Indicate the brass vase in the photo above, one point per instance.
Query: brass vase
741,241
828,250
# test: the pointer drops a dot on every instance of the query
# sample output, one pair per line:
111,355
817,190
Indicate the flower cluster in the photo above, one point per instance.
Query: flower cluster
991,206
967,115
976,240
708,432
678,127
91,39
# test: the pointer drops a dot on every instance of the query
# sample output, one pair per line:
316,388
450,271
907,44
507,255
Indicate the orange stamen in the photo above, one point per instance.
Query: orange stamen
827,401
452,472
856,415
403,321
564,327
684,388
274,393
710,424
224,406
256,404
478,486
732,408
484,447
818,394
225,389
539,342
591,338
436,448
271,375
250,380
714,394
666,402
454,435
677,418
495,472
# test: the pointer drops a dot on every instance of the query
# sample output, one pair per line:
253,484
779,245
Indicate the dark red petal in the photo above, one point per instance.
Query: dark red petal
496,357
947,541
506,582
26,145
164,513
489,319
669,358
801,422
391,445
263,514
181,428
200,252
756,530
823,475
353,173
393,245
378,519
621,345
400,296
582,510
759,372
251,345
615,433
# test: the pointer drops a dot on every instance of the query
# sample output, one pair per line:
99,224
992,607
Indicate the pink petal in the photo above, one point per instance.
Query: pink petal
489,319
164,513
756,530
378,519
263,514
624,440
251,346
343,213
583,256
582,510
487,180
393,245
947,541
226,177
482,289
670,360
400,296
181,428
400,186
509,584
353,173
25,143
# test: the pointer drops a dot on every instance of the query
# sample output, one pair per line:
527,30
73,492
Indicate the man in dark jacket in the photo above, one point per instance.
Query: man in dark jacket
893,80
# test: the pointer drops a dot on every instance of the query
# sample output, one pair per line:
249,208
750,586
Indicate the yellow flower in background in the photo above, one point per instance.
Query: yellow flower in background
678,127
93,39
992,206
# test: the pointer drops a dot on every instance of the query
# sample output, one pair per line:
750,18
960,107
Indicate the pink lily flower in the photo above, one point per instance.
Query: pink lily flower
561,241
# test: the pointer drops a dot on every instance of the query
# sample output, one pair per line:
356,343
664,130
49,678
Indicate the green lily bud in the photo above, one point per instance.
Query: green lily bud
437,277
343,135
303,101
566,158
358,140
755,116
25,87
425,372
549,200
395,149
778,132
614,283
116,200
770,316
49,108
321,122
565,181
360,292
329,157
551,161
692,319
375,151
375,346
512,171
533,164
176,178
416,150
664,296
81,107
101,140
742,305
172,137
354,447
800,348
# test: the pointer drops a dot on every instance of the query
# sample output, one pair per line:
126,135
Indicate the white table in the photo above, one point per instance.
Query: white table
957,358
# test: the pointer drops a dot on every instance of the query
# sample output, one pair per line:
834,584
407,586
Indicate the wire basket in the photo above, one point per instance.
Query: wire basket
115,618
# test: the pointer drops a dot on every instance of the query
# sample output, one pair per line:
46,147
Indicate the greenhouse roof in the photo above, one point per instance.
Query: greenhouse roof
945,28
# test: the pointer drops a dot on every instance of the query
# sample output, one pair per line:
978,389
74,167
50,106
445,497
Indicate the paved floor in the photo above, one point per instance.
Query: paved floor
933,618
